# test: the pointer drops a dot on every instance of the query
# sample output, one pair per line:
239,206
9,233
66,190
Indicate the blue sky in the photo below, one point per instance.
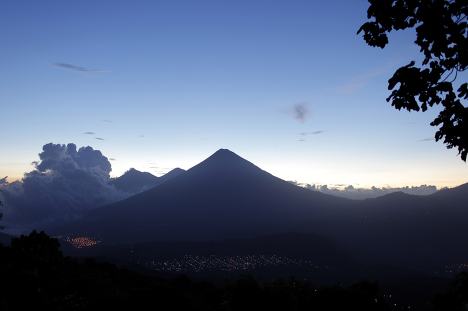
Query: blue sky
170,82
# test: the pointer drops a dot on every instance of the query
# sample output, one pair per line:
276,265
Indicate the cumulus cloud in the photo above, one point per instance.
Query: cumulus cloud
300,112
351,192
65,182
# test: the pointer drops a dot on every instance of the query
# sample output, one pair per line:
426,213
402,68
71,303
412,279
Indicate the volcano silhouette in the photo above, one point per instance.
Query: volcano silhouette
225,196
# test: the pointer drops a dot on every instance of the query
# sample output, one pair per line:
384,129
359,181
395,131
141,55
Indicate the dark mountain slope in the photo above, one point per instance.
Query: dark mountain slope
227,197
224,196
422,231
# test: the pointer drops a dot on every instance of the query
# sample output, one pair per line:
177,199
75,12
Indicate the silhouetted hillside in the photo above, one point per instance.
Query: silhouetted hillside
421,231
224,196
227,197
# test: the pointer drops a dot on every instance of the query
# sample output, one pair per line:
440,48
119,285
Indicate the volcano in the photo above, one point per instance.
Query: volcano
225,196
228,197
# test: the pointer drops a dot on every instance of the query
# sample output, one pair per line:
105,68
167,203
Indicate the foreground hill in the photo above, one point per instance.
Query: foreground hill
36,276
5,239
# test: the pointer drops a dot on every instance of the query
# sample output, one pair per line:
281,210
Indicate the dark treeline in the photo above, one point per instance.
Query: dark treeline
36,276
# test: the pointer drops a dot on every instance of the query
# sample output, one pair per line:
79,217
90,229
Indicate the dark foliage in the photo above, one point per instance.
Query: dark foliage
36,276
441,34
1,213
456,298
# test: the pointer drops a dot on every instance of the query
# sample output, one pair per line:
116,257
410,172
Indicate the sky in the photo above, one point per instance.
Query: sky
154,85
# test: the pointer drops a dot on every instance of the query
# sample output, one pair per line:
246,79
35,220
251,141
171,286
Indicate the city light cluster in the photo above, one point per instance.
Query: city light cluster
193,263
81,241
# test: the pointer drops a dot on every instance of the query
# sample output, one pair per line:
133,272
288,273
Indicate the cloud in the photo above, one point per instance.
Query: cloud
361,80
76,68
99,138
311,133
112,159
351,192
65,182
303,135
427,139
107,121
89,133
300,112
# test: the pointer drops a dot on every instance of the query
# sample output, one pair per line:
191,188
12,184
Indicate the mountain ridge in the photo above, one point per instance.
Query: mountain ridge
222,194
134,181
228,197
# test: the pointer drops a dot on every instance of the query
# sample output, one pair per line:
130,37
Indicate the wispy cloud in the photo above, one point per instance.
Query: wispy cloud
304,135
107,121
77,68
300,112
311,133
99,138
112,159
427,139
89,133
362,79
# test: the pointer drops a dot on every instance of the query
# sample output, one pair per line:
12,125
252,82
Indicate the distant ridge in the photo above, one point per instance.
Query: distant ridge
171,174
134,181
459,191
